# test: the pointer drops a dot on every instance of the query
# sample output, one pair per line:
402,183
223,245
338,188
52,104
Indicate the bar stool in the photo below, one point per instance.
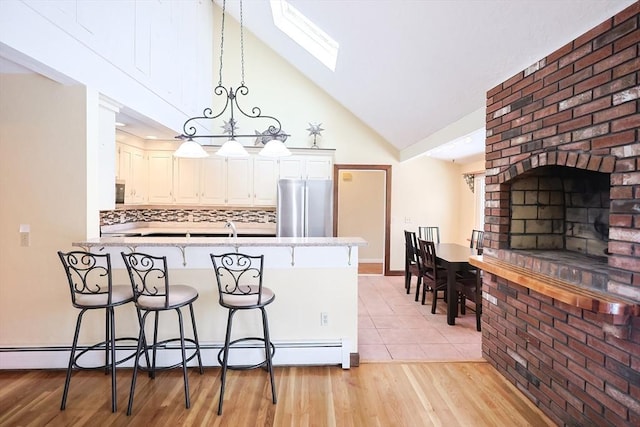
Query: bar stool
89,277
239,278
152,294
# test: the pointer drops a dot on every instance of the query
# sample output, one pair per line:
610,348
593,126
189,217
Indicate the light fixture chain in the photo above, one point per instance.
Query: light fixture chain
241,44
224,8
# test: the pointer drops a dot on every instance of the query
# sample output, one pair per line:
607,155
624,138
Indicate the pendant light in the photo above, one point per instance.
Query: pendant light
232,109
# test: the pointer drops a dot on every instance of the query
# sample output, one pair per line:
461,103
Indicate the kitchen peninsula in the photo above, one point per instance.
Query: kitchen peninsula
314,319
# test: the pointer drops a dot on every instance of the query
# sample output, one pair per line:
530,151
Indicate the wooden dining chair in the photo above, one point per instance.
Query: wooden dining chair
411,264
437,276
430,234
469,288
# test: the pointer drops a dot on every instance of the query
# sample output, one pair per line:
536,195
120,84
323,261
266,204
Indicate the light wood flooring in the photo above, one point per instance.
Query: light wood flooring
374,394
395,385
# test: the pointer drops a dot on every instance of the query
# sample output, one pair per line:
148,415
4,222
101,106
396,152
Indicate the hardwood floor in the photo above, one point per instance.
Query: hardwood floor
374,394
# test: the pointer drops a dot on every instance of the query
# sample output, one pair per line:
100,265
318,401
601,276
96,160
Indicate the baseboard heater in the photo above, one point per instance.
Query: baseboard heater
299,353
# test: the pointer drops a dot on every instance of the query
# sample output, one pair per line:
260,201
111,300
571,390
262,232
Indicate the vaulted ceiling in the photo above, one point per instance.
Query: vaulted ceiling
410,68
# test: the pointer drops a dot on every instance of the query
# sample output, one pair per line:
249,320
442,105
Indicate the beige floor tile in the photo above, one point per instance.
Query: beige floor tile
391,325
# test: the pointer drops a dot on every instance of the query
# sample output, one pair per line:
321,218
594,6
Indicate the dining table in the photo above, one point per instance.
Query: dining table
453,257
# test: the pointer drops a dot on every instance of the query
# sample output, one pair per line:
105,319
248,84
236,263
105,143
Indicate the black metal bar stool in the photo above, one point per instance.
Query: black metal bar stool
152,294
90,283
239,278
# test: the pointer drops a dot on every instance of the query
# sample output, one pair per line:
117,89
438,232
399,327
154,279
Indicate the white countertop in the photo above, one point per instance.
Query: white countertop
194,241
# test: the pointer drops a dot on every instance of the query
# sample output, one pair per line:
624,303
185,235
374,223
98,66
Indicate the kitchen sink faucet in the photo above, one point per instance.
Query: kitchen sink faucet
233,232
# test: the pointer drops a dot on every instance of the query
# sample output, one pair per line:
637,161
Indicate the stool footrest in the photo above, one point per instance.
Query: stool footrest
162,344
246,367
100,346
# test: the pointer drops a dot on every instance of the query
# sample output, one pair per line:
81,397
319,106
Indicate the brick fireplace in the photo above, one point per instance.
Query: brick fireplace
562,234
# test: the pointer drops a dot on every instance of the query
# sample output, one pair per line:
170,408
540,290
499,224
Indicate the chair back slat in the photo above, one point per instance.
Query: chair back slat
477,240
148,274
238,274
411,247
430,234
428,257
87,273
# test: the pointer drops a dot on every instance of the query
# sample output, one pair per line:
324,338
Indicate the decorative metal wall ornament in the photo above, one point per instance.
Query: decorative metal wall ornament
470,179
232,107
315,129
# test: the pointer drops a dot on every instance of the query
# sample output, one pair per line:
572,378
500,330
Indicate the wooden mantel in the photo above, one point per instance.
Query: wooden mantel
565,292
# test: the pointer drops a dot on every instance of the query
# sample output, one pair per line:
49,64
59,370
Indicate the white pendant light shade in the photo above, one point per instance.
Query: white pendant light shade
232,148
274,148
191,150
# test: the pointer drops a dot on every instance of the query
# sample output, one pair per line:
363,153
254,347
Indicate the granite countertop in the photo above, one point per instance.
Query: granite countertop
129,241
185,228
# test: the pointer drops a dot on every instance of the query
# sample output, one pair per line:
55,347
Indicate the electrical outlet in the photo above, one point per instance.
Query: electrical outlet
24,239
324,318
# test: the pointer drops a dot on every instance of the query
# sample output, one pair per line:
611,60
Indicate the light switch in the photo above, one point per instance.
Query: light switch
25,229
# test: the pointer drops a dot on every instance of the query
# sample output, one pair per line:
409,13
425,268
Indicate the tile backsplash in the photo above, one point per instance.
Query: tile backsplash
124,216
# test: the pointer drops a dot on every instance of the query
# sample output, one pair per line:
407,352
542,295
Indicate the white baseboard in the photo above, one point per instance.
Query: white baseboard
287,354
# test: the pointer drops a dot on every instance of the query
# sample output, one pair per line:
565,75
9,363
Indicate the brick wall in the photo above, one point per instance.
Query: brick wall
576,108
581,368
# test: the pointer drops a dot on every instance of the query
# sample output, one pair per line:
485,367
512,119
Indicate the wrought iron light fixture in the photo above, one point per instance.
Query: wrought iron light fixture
272,137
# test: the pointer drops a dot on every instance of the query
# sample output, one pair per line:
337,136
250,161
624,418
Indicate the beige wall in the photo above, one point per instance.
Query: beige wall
43,183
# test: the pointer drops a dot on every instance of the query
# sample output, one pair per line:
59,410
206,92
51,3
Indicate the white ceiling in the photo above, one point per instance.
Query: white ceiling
409,68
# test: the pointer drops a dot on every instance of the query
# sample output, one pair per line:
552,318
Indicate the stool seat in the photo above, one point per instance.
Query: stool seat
180,295
120,294
251,299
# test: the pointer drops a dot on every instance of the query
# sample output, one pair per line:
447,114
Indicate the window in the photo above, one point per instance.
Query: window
304,32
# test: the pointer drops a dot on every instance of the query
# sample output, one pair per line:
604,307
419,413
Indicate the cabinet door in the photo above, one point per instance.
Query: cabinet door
319,167
160,188
186,180
133,170
213,181
292,167
265,181
239,182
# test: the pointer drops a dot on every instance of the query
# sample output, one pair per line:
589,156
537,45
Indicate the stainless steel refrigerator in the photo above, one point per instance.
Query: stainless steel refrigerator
305,208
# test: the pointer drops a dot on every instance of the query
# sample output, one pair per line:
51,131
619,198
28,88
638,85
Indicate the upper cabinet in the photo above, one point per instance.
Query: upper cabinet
160,186
306,167
156,177
133,171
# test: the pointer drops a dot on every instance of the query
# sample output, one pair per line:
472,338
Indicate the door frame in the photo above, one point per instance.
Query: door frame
387,203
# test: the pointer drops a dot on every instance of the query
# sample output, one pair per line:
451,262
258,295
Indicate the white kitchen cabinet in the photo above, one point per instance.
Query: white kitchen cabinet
133,171
213,180
239,181
306,167
292,167
160,187
319,167
186,180
265,181
200,181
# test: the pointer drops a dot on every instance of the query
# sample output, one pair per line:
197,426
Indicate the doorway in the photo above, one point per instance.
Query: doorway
362,207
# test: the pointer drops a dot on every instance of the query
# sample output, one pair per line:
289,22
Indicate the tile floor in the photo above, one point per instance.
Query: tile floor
392,326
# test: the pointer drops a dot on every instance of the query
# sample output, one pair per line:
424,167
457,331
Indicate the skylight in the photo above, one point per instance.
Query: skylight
304,32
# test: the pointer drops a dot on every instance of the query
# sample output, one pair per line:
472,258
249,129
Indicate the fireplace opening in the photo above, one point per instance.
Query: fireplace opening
560,208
